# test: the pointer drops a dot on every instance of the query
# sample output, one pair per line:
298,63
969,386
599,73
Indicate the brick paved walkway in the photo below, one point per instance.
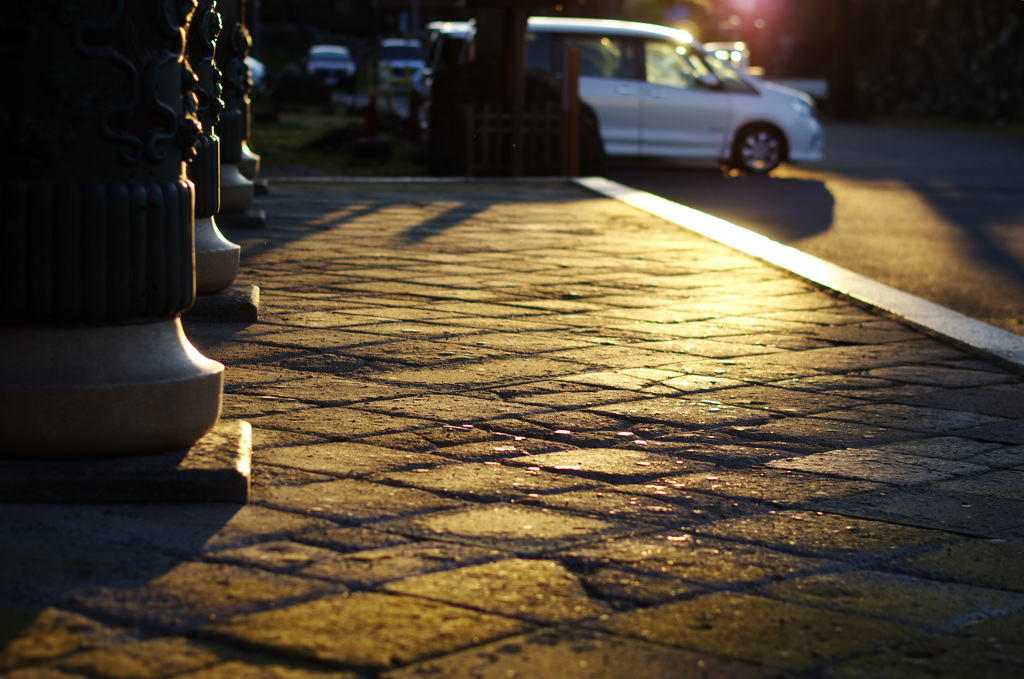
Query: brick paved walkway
521,430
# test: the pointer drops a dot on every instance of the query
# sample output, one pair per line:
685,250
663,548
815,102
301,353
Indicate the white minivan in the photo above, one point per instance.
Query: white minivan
657,93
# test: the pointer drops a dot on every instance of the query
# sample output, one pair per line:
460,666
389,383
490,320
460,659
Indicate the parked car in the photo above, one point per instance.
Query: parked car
399,63
658,93
333,64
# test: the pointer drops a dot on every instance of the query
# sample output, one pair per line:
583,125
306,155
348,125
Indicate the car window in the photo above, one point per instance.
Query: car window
603,56
538,51
399,52
672,64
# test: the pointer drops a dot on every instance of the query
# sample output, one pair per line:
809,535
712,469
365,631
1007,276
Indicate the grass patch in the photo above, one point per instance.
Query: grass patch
324,143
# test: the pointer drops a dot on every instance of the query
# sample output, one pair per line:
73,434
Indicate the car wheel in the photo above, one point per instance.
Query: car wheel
758,149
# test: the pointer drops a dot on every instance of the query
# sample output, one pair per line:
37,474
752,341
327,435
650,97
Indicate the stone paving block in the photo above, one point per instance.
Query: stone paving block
423,352
898,598
339,423
352,501
697,560
855,385
1004,400
577,654
482,373
1010,432
1006,484
344,539
365,631
987,563
770,633
626,589
827,535
774,486
870,464
716,448
452,435
579,399
536,590
344,458
643,508
238,406
941,376
265,437
326,389
567,422
779,342
500,447
191,593
526,531
321,339
524,342
822,432
629,356
451,408
973,514
944,447
42,564
929,420
148,659
237,669
708,348
487,481
29,635
779,400
361,569
987,650
1004,457
613,465
686,412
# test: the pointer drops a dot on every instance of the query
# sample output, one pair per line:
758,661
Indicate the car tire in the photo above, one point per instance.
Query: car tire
758,149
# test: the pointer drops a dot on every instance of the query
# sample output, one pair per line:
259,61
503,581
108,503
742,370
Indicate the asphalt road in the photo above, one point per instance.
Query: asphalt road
935,213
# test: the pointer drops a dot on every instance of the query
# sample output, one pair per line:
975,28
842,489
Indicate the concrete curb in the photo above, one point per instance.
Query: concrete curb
999,344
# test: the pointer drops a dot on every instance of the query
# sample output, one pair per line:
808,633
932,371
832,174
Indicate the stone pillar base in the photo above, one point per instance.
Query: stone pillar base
216,258
236,192
104,391
249,166
216,468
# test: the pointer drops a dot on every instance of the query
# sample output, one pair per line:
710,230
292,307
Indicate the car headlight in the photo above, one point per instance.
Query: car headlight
802,108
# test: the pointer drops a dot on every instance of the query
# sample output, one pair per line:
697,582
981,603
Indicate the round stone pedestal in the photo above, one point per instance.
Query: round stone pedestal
249,166
236,192
216,258
104,391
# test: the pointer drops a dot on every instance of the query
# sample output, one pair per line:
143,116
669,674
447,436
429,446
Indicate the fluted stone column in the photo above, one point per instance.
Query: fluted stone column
237,190
96,247
216,257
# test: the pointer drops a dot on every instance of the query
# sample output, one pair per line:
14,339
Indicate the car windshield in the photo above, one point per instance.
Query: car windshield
730,78
399,52
340,58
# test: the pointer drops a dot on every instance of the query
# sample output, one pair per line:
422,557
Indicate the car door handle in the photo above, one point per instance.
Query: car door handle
655,94
625,91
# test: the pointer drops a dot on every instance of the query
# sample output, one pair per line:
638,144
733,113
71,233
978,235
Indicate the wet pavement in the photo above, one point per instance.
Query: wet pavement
525,430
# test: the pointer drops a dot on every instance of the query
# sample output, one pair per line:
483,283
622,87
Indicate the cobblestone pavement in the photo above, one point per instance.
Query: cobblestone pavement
521,430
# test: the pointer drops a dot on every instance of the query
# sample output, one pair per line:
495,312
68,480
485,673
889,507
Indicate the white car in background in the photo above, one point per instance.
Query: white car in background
399,63
333,64
658,93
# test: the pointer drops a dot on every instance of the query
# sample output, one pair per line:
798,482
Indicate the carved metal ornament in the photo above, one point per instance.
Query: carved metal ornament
96,214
